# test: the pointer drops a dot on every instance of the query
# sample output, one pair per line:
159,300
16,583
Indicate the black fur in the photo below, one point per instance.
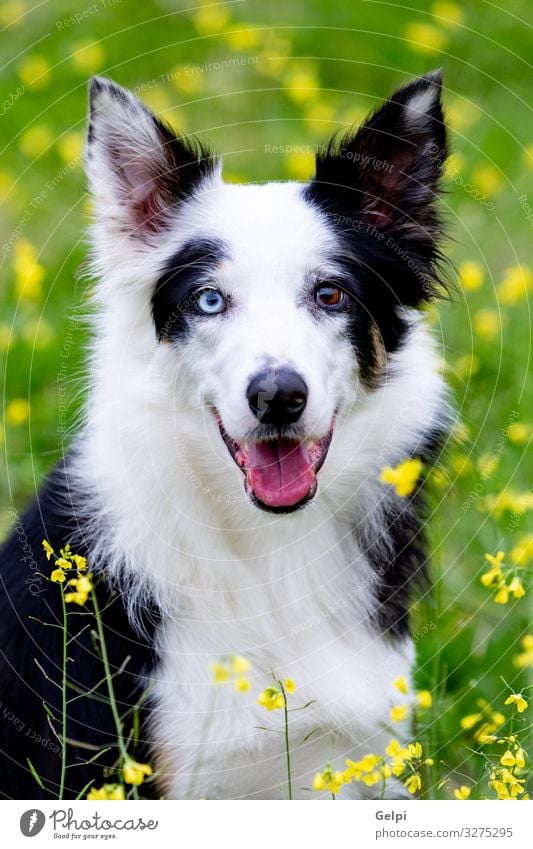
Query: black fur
27,601
173,299
378,189
402,566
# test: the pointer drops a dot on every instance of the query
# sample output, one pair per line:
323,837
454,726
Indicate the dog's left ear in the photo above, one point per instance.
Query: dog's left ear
138,169
386,174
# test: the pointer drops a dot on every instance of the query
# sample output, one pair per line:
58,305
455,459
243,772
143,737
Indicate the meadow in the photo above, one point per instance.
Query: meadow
264,84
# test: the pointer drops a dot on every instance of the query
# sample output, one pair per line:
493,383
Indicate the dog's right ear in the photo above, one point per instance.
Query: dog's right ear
138,169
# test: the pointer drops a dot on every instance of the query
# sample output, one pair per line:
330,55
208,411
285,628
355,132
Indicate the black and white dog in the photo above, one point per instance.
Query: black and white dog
258,358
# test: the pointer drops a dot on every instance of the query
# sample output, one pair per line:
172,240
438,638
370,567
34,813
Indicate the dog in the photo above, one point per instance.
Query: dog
259,354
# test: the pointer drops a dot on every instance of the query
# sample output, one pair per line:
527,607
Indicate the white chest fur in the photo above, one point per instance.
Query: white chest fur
291,618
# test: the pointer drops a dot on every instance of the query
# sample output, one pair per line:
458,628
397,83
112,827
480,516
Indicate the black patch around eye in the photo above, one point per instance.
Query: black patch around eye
173,296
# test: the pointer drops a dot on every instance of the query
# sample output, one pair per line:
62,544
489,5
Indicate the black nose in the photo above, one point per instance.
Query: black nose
277,397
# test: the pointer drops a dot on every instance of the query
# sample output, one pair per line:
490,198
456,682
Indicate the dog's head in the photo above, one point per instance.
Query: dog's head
274,306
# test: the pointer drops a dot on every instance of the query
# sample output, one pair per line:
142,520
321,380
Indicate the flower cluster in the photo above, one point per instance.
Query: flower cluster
234,669
501,578
424,700
403,477
403,762
506,783
134,773
113,792
486,722
66,564
272,698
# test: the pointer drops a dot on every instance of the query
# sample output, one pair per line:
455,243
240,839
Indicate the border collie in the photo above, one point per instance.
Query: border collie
259,355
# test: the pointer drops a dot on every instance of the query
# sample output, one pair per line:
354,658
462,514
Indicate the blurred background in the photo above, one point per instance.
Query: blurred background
263,83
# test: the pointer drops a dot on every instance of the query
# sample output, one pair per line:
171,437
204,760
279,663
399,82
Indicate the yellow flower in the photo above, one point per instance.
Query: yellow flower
502,596
470,720
413,783
240,665
401,684
462,792
70,147
404,476
454,164
467,366
82,586
318,115
394,749
518,700
328,780
29,273
37,333
62,563
486,324
187,79
516,588
290,686
516,285
245,37
369,762
398,713
242,685
487,179
424,38
48,549
371,778
11,13
80,562
211,19
449,14
34,71
520,758
520,432
57,576
414,750
302,84
318,782
300,165
87,56
472,275
424,699
221,672
491,577
494,574
134,772
508,759
17,412
525,659
461,114
108,791
271,699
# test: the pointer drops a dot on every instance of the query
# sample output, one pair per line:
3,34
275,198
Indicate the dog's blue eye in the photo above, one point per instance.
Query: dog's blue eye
210,301
329,297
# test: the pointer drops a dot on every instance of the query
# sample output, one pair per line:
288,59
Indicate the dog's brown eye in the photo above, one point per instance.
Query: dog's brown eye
329,297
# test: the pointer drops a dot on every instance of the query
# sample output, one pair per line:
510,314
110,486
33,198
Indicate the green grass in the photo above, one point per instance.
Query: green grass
352,55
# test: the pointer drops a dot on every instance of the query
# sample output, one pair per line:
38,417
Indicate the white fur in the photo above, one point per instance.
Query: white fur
292,593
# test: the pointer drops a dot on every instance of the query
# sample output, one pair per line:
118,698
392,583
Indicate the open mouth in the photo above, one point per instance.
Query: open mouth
280,474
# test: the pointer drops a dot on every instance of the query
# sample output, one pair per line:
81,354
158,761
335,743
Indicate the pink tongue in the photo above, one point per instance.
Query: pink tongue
280,472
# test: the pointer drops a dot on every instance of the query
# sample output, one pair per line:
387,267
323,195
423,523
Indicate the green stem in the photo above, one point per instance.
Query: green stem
287,746
109,678
63,701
